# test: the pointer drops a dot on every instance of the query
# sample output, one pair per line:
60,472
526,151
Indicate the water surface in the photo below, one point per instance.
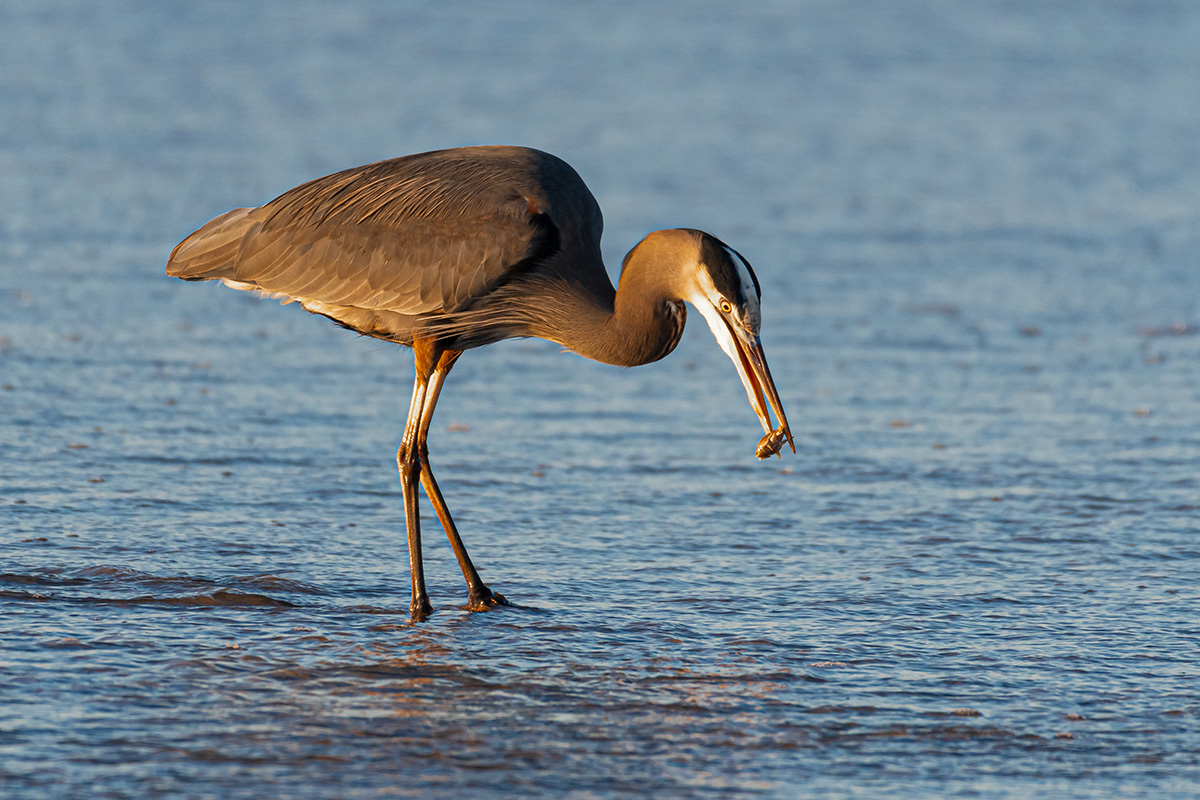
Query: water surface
976,230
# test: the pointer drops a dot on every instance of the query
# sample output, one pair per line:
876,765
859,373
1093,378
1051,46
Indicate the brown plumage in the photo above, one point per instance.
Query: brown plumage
454,249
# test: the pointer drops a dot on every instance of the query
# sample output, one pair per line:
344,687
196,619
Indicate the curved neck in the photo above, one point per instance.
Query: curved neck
640,322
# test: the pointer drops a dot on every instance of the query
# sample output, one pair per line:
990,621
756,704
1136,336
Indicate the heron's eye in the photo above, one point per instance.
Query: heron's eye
725,307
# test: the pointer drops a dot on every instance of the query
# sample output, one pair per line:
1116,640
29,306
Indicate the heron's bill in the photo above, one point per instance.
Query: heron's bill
752,368
745,351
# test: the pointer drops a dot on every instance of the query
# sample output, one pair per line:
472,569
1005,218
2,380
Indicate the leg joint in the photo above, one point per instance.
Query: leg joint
408,459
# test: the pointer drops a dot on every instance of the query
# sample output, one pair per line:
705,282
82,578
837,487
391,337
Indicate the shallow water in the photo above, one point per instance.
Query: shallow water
976,229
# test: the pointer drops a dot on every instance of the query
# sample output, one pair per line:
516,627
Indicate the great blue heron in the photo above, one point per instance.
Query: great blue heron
455,249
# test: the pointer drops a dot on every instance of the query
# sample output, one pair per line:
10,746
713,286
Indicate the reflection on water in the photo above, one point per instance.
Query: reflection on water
976,232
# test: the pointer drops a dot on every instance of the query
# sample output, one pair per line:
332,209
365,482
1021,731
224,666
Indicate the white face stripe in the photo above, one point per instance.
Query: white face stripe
720,331
753,312
707,300
717,325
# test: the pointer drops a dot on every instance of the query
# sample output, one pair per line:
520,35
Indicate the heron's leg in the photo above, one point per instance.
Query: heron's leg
408,459
479,596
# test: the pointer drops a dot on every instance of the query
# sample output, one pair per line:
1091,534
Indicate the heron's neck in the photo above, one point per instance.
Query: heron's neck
640,322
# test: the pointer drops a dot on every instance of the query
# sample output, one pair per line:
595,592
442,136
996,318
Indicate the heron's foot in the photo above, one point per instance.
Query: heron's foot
484,599
420,609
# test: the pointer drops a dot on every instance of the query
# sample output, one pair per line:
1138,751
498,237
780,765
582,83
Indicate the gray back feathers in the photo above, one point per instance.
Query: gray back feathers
384,247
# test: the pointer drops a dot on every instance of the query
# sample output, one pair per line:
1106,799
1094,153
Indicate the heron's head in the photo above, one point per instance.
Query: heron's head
724,289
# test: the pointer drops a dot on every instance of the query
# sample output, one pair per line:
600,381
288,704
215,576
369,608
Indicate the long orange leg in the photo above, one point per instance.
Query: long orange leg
408,460
479,596
432,365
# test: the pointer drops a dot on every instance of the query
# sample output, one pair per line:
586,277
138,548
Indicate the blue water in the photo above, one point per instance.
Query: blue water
977,230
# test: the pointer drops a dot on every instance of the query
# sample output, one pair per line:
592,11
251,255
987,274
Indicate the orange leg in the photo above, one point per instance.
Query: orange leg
432,366
409,461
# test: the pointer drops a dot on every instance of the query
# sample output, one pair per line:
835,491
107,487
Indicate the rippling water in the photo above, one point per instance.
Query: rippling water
977,233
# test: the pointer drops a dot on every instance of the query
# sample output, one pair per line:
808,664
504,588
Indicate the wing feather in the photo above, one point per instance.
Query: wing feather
416,235
382,247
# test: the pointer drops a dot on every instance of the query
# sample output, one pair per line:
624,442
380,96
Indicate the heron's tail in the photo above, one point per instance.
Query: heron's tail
212,252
